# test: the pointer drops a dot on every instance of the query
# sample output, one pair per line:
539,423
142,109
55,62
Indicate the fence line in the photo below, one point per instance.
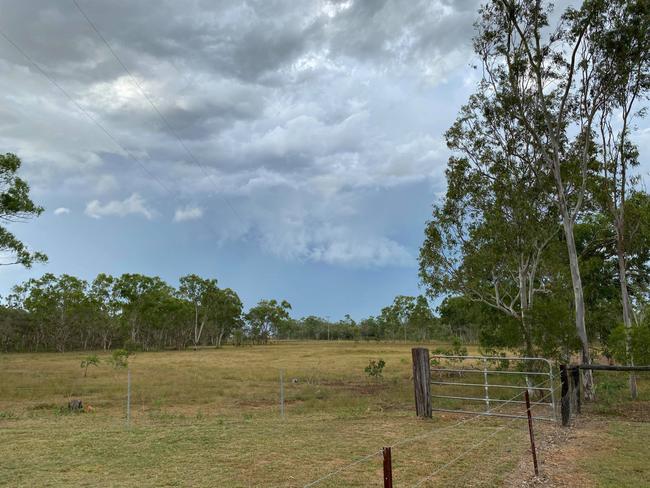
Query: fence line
334,473
464,421
418,437
464,453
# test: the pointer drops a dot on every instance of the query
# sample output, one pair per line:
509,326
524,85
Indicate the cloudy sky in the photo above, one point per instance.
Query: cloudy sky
291,149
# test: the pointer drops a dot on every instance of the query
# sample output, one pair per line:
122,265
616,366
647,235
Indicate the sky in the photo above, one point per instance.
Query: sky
291,149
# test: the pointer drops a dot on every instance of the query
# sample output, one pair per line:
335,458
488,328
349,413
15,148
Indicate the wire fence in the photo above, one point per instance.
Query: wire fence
436,431
470,440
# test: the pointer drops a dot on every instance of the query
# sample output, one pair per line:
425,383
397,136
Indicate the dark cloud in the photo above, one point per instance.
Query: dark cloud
312,100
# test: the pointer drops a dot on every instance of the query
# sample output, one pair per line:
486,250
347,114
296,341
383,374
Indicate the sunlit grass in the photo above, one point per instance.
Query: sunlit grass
211,418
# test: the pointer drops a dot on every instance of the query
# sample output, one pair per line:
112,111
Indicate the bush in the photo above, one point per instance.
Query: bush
375,368
499,364
120,358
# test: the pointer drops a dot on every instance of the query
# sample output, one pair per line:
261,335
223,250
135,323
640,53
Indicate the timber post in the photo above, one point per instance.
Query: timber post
388,468
422,382
565,402
575,383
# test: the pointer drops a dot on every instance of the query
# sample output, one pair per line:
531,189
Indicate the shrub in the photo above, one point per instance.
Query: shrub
120,358
375,368
457,349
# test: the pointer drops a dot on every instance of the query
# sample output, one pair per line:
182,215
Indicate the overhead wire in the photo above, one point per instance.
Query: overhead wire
162,117
96,122
85,112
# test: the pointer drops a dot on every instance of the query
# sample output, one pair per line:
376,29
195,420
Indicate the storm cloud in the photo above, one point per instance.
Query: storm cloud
288,112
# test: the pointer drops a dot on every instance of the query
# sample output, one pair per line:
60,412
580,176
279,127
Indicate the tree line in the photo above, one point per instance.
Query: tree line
138,312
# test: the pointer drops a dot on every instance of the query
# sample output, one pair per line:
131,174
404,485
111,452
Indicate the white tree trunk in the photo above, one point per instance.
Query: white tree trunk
625,299
579,301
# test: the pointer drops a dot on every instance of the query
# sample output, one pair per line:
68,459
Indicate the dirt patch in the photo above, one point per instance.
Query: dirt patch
560,450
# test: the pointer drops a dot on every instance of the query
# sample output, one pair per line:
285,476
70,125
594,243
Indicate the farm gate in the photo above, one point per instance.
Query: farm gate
490,382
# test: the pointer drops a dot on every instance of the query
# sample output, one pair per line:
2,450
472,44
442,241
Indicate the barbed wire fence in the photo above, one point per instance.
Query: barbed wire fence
436,431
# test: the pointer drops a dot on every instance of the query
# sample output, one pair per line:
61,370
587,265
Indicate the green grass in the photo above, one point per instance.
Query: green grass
620,457
211,418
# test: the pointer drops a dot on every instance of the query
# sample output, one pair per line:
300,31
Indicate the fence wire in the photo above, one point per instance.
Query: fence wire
466,452
409,440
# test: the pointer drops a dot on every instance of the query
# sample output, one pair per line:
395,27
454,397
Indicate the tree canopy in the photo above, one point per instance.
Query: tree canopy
15,206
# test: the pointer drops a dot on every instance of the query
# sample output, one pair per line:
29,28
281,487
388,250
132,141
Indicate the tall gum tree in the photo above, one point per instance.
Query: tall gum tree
627,49
550,79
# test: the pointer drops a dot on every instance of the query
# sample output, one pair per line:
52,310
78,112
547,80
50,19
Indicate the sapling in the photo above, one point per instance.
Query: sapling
91,360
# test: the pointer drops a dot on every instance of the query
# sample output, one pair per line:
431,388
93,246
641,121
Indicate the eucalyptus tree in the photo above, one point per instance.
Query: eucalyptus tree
15,206
397,315
265,318
59,308
408,316
550,79
626,49
138,295
106,307
223,313
488,238
197,291
422,321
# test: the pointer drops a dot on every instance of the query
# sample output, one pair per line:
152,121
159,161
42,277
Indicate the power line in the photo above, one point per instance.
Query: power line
95,121
84,111
154,106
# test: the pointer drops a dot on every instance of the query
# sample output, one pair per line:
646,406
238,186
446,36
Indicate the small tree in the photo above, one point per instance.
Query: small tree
91,360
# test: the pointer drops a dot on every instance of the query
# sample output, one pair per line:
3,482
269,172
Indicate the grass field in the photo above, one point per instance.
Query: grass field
212,418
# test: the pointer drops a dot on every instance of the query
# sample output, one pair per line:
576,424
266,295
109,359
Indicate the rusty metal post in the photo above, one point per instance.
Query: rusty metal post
388,468
565,402
532,433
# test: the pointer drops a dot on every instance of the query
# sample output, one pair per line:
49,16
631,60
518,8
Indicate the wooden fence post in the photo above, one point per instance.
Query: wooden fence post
422,381
388,468
565,402
575,383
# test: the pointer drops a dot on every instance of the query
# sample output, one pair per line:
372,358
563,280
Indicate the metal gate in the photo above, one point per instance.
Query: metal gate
482,373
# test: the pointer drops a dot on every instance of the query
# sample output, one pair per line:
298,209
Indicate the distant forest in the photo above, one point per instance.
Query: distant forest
133,311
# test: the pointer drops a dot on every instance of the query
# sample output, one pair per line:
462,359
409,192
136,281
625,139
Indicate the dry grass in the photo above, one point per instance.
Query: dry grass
211,418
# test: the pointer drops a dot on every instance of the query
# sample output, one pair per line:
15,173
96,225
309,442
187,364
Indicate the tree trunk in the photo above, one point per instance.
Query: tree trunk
579,301
524,306
196,326
625,299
